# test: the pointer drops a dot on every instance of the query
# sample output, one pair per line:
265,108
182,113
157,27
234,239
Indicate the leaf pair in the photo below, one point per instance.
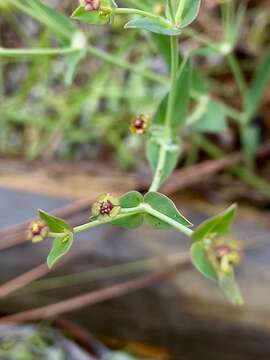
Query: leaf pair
190,13
203,238
158,202
64,239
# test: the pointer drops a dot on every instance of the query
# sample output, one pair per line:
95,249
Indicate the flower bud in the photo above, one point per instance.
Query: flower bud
139,124
106,207
90,5
37,231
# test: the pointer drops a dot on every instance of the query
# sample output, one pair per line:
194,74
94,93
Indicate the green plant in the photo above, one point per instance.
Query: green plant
212,254
164,24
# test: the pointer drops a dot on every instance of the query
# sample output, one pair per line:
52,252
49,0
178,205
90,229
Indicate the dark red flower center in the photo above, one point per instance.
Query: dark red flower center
139,124
106,208
222,250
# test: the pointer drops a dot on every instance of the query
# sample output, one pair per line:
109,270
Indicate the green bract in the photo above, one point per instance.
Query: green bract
54,223
219,225
60,247
96,17
201,261
63,242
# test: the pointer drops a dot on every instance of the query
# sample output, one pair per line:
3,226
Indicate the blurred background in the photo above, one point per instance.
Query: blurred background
65,139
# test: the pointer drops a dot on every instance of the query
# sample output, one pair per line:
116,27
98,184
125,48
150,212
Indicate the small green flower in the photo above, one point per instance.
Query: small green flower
106,207
37,231
224,255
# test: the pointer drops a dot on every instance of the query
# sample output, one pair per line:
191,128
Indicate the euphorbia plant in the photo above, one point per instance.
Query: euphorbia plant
212,253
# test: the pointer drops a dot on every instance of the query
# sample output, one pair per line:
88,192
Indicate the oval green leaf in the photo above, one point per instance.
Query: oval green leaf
152,25
165,206
127,201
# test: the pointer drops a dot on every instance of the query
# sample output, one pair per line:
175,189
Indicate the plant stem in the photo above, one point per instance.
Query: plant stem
157,179
182,228
140,209
238,74
130,11
4,52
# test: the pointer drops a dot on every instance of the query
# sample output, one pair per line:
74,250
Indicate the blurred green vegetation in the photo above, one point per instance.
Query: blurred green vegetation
75,106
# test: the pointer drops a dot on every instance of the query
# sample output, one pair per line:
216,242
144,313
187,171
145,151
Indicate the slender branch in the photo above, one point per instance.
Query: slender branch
238,74
188,232
130,11
23,52
157,179
95,297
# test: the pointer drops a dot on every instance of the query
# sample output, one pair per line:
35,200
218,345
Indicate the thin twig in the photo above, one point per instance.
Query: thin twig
94,297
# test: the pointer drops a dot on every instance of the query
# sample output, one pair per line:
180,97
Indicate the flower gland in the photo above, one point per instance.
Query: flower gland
139,124
227,256
106,207
37,231
105,11
90,5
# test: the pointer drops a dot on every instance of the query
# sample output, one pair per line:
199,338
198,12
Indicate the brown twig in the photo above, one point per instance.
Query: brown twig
94,297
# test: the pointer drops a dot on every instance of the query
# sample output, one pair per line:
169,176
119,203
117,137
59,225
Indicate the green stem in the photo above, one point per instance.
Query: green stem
238,74
4,52
130,11
182,228
140,209
157,179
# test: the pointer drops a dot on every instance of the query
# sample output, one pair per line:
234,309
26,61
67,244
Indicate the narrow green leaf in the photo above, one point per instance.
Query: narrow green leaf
191,12
61,247
50,17
231,289
258,86
182,98
153,153
217,225
165,206
127,201
152,25
201,262
55,224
